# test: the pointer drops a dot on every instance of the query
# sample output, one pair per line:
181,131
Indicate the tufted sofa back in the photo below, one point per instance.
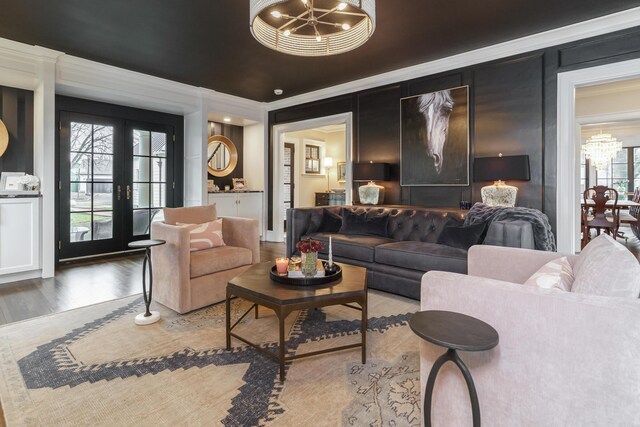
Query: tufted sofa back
405,223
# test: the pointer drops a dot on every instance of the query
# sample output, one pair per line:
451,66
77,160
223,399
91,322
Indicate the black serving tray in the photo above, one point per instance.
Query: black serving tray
307,281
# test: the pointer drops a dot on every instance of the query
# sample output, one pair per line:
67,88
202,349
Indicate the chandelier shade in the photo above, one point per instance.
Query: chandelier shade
600,149
312,27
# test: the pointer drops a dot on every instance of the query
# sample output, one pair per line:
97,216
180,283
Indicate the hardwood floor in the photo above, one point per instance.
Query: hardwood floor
81,284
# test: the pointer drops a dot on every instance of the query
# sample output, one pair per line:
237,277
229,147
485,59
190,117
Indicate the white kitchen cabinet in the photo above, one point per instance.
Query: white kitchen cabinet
244,205
19,238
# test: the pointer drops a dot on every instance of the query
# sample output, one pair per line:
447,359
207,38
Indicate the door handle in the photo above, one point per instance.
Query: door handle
128,192
118,192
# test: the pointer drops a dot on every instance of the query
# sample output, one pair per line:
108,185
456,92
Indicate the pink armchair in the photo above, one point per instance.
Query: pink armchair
564,359
184,280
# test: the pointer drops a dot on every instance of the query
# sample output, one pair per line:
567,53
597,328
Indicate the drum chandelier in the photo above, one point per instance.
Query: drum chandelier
312,27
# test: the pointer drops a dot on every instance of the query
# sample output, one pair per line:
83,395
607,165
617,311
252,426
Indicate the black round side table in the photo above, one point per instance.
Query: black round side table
148,317
453,331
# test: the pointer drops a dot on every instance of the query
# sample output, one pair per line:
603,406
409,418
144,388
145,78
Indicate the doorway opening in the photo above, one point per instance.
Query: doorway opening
312,166
568,145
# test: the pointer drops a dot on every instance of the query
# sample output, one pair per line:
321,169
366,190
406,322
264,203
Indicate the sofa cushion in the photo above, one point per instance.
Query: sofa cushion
204,236
422,256
331,222
556,274
218,259
190,215
358,223
353,247
605,267
459,236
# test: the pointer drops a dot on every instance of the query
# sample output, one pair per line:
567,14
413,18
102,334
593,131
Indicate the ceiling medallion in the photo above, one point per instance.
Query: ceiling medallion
312,27
601,149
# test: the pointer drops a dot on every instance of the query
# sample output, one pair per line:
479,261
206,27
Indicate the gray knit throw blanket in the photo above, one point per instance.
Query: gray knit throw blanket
542,235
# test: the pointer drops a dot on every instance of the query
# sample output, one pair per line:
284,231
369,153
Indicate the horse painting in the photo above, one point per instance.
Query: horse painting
436,107
434,138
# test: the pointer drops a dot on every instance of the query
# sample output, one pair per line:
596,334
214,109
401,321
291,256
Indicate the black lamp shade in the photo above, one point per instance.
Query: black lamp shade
371,171
506,168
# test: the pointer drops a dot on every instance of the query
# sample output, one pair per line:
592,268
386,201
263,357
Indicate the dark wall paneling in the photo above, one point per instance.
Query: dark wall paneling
512,109
236,135
378,133
508,118
610,46
16,112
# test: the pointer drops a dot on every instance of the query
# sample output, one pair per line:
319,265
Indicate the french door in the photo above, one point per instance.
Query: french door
115,178
288,179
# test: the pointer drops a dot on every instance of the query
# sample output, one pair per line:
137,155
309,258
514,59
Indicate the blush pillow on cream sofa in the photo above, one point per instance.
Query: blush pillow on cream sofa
606,268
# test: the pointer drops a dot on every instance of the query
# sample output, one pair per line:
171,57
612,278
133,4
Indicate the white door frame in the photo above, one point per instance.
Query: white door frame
277,234
568,144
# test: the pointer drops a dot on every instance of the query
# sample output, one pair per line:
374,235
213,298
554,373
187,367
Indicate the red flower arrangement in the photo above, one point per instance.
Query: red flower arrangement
309,245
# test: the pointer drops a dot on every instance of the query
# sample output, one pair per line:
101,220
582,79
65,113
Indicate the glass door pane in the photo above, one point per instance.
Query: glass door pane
90,170
149,177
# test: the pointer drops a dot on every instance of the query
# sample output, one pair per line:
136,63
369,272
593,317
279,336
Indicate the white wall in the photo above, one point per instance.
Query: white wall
253,162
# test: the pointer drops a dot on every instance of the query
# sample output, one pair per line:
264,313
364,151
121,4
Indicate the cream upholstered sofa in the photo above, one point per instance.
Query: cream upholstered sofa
564,359
184,280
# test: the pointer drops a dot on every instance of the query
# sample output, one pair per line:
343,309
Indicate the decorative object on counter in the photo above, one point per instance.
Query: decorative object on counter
239,184
222,156
10,183
309,253
308,29
282,266
328,163
30,183
210,185
4,138
227,188
499,169
371,194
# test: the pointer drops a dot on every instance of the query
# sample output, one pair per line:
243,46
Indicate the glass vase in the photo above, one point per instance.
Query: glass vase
309,263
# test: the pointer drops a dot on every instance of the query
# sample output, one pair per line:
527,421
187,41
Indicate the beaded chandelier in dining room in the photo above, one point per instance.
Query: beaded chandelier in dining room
600,149
312,27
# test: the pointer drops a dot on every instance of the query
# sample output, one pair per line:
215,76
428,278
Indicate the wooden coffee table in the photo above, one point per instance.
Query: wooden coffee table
255,285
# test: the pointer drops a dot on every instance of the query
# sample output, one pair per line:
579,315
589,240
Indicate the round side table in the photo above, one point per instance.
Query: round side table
148,317
454,331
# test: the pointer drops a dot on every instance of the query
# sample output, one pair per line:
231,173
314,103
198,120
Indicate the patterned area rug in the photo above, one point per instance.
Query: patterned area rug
94,366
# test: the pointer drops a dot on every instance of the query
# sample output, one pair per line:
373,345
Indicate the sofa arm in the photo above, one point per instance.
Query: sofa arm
304,221
510,264
515,234
563,358
242,233
171,266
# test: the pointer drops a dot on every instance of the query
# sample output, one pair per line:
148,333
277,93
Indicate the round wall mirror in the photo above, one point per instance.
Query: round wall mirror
222,156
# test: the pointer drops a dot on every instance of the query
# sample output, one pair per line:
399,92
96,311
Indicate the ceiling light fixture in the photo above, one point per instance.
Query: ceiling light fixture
600,149
227,119
312,27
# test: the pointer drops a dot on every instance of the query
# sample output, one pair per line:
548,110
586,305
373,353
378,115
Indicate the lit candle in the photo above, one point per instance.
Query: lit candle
281,265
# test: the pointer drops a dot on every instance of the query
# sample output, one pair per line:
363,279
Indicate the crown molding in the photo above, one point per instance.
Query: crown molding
582,30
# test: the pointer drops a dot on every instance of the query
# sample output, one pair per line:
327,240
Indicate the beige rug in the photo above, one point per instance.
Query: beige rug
94,366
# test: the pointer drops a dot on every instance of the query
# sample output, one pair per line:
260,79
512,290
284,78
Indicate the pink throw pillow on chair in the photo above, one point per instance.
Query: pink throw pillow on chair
204,236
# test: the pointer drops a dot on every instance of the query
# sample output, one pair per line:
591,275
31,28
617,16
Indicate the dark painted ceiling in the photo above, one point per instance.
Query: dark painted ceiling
207,42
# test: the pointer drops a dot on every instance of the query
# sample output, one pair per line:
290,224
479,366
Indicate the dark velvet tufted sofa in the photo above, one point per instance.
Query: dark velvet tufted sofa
396,263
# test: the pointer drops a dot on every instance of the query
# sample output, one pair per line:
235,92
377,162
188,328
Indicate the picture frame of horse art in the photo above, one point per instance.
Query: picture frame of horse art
434,138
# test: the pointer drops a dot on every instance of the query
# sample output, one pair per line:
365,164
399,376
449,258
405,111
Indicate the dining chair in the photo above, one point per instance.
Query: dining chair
634,211
595,215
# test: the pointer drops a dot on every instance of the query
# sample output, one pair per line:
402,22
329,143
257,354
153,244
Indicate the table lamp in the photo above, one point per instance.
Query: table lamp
328,163
500,169
371,194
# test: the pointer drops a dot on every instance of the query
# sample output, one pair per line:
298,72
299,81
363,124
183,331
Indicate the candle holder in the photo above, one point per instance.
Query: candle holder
282,265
